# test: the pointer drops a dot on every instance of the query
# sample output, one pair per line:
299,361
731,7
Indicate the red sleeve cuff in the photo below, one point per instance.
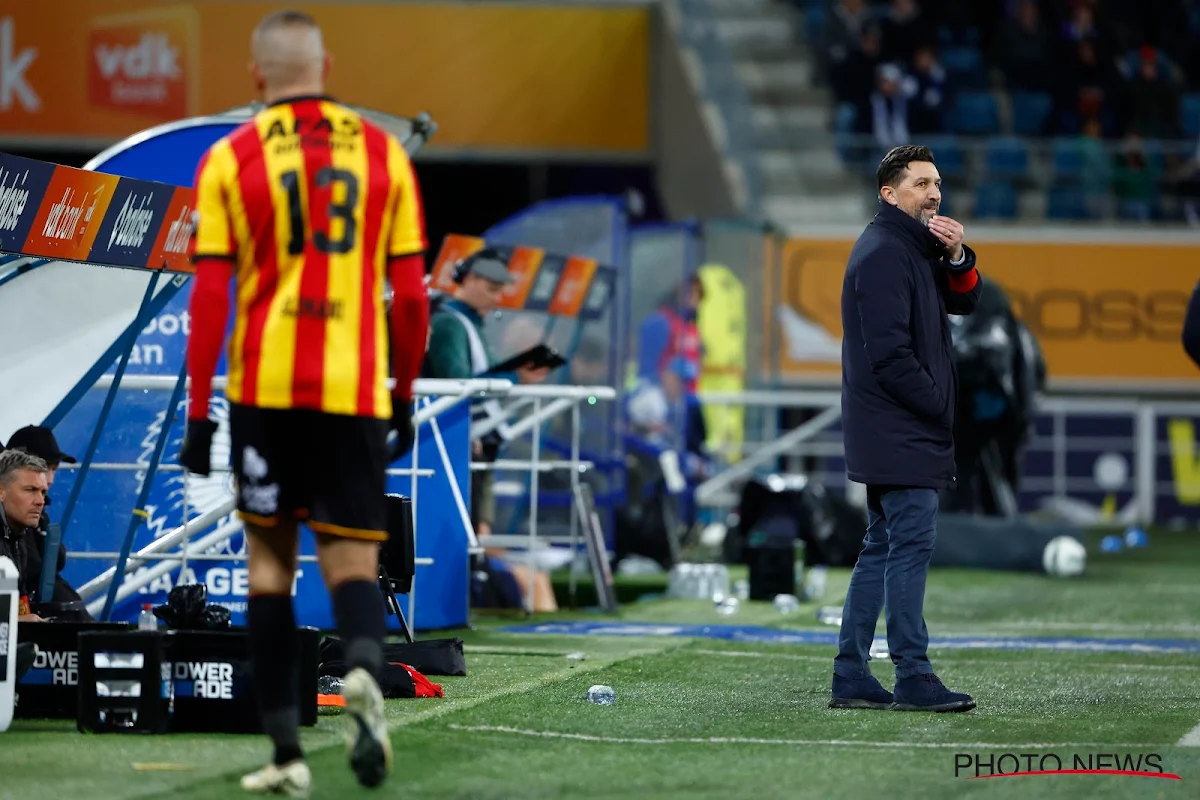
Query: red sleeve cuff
965,282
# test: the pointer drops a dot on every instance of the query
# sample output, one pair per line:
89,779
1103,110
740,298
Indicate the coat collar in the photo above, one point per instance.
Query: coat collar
893,218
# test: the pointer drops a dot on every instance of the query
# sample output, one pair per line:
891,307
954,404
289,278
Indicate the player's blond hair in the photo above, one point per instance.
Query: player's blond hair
288,47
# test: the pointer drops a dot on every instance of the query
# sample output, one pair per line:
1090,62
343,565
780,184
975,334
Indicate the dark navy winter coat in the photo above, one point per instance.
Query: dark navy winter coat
1191,327
898,376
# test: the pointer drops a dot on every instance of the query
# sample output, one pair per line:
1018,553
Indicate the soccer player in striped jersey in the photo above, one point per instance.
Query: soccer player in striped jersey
306,208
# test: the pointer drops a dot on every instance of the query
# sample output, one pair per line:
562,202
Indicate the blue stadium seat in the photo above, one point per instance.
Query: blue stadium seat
964,67
975,113
996,200
1030,111
951,162
844,119
1067,202
1007,157
1189,114
1068,157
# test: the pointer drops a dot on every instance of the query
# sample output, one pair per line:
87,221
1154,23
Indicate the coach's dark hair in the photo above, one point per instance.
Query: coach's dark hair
892,167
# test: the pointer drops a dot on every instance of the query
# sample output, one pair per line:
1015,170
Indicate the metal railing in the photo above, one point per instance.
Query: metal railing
1121,454
532,406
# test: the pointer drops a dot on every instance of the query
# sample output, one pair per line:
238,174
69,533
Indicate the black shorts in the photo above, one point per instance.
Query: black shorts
326,470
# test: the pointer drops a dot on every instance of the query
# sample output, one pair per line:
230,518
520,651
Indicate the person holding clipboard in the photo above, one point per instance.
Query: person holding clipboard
459,349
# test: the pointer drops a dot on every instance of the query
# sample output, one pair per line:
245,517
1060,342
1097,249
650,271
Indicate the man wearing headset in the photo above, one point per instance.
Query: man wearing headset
459,349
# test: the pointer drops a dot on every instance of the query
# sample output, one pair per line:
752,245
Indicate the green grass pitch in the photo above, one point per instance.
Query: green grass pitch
706,718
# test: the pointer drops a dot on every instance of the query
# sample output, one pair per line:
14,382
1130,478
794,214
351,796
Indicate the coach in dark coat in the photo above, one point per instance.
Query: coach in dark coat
1191,327
908,270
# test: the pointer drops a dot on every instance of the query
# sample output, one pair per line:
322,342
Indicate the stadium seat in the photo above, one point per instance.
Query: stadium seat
1189,114
951,162
1068,157
845,116
965,69
1067,202
1030,112
995,201
1007,157
975,114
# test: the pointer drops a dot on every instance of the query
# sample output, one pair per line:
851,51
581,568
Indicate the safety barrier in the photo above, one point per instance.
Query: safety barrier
1089,460
176,548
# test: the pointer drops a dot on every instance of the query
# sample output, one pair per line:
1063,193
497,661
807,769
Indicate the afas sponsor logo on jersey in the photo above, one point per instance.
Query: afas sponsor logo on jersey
145,62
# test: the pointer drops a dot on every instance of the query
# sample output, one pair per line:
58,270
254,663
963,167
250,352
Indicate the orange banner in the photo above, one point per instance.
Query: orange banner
573,286
523,266
1103,313
501,77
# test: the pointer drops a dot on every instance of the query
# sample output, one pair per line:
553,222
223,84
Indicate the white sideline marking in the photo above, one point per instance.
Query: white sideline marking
584,737
1191,738
950,660
1116,627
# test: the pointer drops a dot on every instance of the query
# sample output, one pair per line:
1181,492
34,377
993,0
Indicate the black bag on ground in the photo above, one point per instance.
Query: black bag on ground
428,656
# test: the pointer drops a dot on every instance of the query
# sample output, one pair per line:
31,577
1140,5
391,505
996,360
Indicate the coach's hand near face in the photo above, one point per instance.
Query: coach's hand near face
907,271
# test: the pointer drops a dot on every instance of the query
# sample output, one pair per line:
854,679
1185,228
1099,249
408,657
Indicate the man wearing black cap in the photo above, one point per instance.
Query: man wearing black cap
39,441
459,349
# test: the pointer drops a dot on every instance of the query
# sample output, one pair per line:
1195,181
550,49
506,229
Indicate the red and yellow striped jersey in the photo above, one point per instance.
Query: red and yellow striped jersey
309,201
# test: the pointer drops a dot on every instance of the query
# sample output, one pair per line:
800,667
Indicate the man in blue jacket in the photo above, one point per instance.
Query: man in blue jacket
907,271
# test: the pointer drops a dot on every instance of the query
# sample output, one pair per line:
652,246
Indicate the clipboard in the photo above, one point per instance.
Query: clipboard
540,355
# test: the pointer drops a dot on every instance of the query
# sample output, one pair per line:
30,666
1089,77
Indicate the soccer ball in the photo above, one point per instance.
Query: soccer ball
1064,557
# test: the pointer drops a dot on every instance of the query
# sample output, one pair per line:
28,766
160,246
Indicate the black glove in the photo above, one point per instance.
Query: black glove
402,424
195,454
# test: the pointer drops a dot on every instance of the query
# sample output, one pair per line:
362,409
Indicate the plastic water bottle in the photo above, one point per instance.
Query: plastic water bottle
814,584
741,588
601,695
786,603
146,620
829,615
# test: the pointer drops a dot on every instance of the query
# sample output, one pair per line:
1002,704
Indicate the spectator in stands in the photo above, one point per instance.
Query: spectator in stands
843,33
903,30
854,79
928,92
40,441
1095,178
1186,184
1135,181
1022,50
1087,88
23,489
889,108
1151,100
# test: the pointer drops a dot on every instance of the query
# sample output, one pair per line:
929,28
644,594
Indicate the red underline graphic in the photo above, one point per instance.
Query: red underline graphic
1134,773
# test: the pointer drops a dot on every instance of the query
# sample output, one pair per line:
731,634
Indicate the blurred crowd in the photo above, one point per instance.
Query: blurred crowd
1121,65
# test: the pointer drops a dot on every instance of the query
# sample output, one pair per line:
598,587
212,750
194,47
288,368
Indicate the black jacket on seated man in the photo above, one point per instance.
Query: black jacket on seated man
14,543
64,602
898,375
